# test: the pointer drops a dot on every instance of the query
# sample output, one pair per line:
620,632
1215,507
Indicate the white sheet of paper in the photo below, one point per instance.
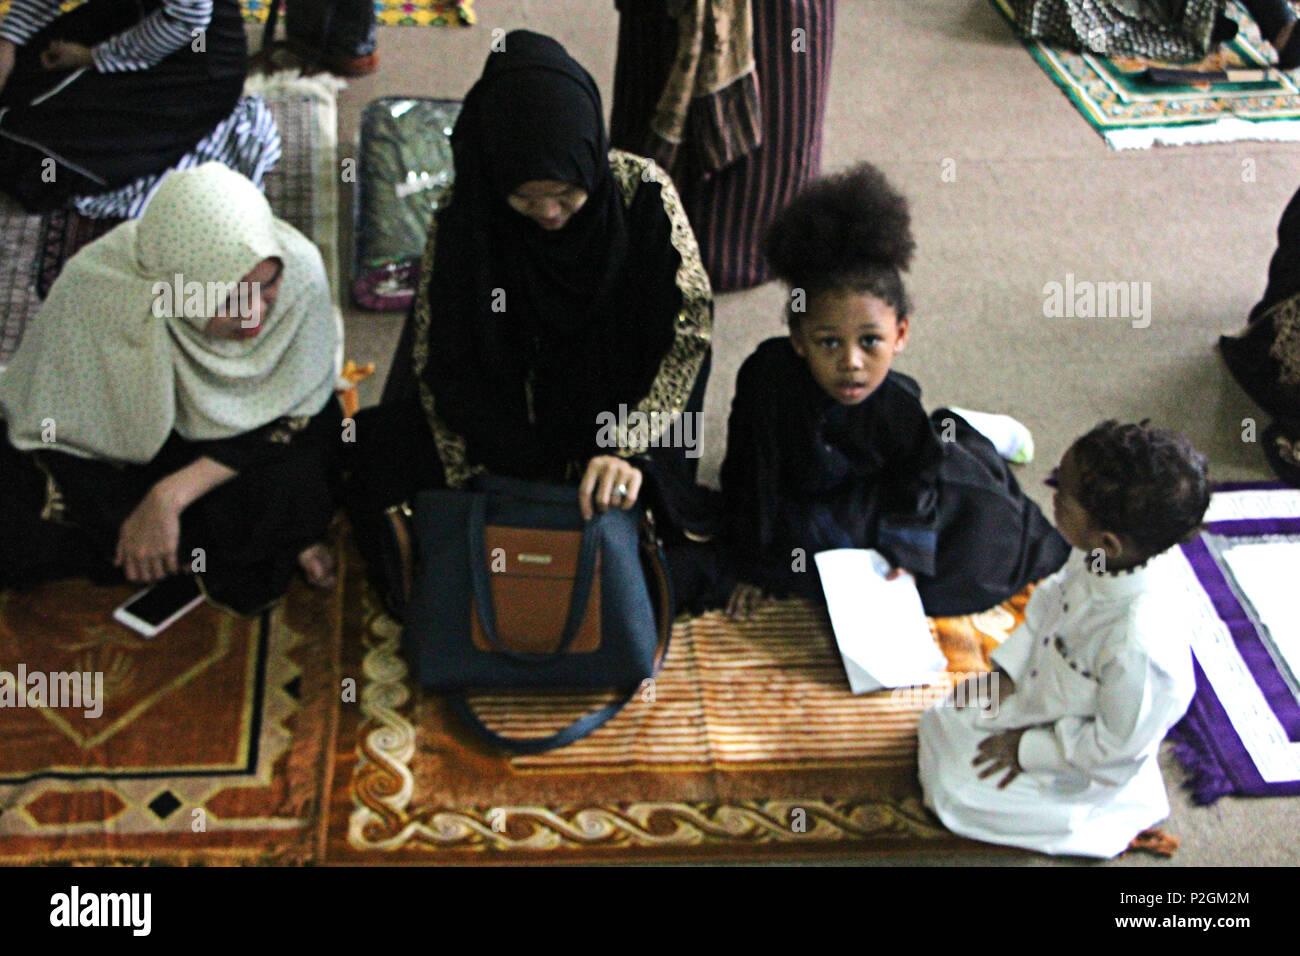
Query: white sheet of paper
1266,574
879,625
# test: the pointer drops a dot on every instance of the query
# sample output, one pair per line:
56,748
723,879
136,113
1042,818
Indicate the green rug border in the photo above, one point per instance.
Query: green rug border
1102,124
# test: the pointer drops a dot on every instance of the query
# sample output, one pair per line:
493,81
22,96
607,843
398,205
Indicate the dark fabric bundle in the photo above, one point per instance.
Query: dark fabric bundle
805,474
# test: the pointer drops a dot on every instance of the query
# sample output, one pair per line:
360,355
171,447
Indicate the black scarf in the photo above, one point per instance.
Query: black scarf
792,449
515,307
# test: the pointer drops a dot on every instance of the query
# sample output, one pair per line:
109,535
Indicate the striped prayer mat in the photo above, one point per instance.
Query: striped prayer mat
20,247
747,746
1130,112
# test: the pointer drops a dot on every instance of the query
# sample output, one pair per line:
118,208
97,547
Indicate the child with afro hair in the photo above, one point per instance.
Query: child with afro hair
829,447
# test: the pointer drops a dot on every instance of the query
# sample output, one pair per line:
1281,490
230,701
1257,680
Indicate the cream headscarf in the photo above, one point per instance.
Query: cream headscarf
103,375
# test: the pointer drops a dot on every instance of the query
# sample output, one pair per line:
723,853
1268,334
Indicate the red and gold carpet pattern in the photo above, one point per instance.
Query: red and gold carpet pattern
300,737
748,746
213,744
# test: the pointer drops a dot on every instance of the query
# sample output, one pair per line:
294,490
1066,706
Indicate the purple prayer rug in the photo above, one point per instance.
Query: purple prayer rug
1241,734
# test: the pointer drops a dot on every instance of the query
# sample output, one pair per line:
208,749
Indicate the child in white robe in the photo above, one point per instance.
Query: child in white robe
1059,754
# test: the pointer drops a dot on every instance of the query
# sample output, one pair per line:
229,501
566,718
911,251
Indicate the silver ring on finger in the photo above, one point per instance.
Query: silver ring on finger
620,491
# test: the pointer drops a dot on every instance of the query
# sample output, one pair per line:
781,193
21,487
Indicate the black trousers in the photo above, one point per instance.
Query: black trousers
243,536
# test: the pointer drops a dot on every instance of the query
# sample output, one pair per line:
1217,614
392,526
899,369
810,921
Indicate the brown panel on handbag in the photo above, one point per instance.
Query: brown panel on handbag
531,575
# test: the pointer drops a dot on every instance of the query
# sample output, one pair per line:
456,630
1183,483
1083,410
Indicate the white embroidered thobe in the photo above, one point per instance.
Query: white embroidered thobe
1102,669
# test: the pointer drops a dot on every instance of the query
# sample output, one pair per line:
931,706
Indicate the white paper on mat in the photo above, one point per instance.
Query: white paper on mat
879,625
1266,574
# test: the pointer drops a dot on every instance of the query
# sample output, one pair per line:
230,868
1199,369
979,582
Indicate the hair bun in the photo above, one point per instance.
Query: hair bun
840,226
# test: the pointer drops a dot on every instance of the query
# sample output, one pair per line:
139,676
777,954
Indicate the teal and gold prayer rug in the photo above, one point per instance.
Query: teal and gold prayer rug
1132,112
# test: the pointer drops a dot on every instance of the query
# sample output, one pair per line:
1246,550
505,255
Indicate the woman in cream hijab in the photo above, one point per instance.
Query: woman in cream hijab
171,409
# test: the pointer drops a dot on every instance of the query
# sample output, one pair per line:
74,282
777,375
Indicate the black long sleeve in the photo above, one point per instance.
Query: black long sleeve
276,441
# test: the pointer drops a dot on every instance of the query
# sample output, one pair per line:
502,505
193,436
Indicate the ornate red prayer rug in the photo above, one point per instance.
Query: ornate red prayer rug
208,744
748,746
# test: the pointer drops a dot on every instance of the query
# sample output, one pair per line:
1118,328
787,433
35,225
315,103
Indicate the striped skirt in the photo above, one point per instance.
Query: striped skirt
730,209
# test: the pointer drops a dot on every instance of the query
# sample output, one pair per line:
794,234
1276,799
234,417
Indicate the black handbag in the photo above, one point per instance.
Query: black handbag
514,590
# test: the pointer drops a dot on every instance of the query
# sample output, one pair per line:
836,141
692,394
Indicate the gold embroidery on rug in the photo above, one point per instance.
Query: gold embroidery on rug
384,817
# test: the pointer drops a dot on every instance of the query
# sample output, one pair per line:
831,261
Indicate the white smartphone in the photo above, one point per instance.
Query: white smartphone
160,605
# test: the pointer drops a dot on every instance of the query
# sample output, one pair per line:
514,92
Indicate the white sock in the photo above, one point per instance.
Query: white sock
1011,438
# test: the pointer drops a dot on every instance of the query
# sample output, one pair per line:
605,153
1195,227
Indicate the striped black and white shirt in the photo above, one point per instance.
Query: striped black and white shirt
177,23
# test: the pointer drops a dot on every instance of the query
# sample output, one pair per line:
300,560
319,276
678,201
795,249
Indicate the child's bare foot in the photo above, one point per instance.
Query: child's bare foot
317,563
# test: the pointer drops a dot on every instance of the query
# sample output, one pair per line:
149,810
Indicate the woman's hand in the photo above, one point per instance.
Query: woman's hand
609,482
8,50
745,600
62,55
150,536
1000,752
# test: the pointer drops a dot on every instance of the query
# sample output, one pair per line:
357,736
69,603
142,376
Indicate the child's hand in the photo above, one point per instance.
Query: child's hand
1003,751
745,600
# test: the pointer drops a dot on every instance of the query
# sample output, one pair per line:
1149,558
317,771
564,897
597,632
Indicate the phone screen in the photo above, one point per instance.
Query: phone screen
164,599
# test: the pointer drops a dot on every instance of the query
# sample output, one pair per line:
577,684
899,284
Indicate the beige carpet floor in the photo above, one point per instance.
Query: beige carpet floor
920,86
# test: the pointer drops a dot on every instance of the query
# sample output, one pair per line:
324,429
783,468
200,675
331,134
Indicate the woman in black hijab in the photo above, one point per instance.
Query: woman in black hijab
562,303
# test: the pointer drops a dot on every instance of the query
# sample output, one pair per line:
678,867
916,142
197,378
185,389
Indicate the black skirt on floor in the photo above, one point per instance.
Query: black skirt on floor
250,529
1263,357
104,130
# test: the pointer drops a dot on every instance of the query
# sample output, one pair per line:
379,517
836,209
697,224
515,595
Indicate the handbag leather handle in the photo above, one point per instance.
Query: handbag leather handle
653,554
536,745
578,597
